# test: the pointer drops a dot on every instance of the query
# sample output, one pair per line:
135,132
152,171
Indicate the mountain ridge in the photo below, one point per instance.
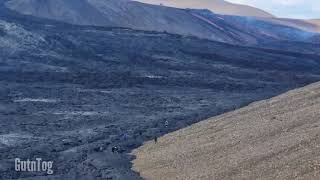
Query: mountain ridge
121,13
136,15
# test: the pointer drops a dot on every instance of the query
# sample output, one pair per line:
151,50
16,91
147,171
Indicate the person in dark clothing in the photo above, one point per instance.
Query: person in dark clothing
114,149
155,139
166,123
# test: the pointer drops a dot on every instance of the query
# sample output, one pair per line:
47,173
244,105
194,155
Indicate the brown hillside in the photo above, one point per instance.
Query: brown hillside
272,139
216,6
315,22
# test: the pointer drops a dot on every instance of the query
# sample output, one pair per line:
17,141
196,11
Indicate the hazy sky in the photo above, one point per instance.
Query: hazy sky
304,9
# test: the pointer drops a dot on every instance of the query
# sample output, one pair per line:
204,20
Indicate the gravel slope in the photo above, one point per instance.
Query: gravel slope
270,139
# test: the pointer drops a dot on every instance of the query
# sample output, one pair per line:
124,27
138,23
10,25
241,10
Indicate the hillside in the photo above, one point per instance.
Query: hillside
119,13
271,139
140,16
216,6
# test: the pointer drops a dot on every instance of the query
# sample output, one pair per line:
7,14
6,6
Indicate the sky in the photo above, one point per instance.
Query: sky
301,9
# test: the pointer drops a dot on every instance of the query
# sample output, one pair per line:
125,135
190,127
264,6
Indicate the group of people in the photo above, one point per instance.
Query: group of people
115,149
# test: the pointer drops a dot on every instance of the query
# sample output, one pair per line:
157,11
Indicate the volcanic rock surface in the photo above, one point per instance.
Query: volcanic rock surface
70,93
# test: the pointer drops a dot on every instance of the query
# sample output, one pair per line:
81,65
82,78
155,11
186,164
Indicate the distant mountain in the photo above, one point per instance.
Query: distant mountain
315,22
305,25
216,6
260,29
140,16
